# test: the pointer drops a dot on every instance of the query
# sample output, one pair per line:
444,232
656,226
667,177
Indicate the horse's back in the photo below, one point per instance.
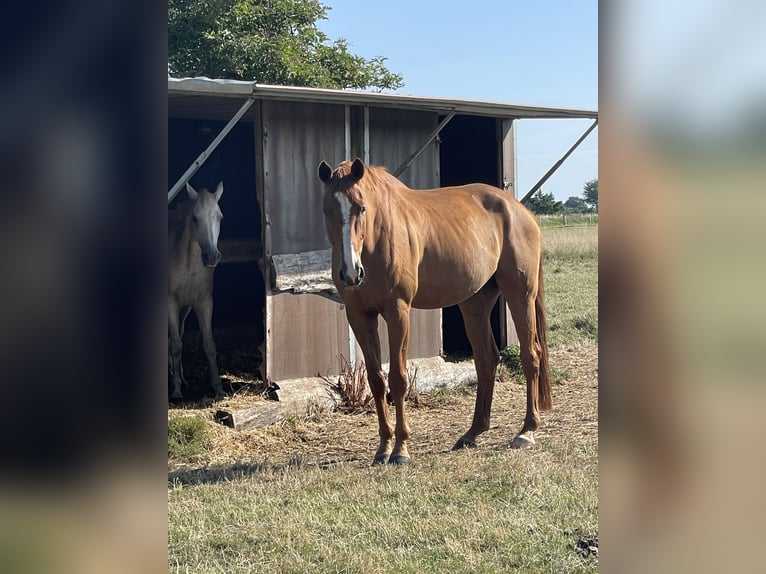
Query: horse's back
467,232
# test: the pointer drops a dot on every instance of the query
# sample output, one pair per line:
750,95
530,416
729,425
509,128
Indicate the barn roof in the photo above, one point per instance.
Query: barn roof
220,99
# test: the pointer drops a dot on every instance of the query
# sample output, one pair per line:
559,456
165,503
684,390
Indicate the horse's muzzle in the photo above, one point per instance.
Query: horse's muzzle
209,261
352,281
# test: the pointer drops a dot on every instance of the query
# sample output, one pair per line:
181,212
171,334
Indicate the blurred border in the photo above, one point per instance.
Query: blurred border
82,242
683,328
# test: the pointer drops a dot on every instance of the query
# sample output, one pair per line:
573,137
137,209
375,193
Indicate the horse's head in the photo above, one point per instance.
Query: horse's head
345,217
206,219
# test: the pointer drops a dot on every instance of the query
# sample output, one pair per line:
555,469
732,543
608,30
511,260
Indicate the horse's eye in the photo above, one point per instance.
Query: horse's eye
362,209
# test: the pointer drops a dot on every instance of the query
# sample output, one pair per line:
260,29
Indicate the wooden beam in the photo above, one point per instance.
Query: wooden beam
240,250
291,397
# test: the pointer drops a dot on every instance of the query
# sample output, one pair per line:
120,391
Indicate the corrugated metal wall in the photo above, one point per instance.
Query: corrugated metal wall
394,136
297,136
306,333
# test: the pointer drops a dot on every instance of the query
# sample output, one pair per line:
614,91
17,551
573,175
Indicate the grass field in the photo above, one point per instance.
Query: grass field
301,496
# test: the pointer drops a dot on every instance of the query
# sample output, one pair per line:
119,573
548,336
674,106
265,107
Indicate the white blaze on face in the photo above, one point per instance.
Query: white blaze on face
351,259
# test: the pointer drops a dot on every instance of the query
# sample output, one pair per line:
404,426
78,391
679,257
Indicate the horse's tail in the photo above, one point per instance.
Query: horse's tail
544,392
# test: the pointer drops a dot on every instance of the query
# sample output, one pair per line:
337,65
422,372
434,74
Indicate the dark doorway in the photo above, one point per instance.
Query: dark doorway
468,153
239,296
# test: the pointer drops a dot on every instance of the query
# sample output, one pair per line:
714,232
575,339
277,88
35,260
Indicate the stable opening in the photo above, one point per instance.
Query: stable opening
239,296
468,153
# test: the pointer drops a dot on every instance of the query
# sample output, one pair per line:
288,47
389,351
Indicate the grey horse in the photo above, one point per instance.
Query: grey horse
193,255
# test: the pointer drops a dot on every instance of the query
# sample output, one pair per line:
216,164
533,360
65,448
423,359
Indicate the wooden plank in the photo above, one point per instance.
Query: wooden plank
266,414
307,272
291,397
306,336
304,395
240,250
507,177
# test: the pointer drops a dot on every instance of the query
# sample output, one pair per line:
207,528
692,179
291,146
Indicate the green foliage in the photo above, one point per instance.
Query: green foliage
543,203
268,41
187,437
590,193
576,204
510,358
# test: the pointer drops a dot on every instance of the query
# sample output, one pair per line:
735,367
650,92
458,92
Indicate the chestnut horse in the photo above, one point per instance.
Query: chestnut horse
394,248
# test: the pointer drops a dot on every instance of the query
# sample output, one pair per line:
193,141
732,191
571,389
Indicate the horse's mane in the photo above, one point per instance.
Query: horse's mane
374,176
177,218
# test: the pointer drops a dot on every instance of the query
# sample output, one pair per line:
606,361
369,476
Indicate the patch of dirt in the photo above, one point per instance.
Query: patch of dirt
436,421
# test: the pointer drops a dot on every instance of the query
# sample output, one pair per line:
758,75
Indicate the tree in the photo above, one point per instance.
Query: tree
590,193
267,41
543,203
576,204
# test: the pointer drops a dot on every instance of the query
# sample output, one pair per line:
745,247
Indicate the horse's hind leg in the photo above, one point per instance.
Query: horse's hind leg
476,312
204,311
522,306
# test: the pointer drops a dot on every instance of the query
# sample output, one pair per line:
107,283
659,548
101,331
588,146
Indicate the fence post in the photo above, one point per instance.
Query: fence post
564,218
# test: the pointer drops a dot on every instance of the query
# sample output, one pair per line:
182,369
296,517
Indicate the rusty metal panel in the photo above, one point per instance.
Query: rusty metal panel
396,134
296,137
306,335
425,335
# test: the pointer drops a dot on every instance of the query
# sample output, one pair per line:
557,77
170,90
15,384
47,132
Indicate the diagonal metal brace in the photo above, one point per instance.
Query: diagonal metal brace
556,165
205,154
408,162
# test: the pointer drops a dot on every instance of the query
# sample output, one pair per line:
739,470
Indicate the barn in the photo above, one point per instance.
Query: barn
273,291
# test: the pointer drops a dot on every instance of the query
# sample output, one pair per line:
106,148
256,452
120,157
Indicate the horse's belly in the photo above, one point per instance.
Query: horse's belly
450,287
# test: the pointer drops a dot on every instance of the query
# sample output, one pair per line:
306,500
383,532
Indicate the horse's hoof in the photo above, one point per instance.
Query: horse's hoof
399,459
380,459
522,441
464,442
175,398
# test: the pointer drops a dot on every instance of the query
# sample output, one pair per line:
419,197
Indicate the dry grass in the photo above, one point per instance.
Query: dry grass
579,243
353,388
301,495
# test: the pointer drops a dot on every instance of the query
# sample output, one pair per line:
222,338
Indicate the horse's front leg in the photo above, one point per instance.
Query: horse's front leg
204,311
174,348
365,327
398,320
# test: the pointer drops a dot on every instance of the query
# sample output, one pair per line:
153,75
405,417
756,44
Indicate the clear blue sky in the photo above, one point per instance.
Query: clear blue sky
532,52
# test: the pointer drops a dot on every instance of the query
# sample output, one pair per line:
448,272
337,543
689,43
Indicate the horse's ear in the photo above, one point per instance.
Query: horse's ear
324,172
357,169
190,190
219,191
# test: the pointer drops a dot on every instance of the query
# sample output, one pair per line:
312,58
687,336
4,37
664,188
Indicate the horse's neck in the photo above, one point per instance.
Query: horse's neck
185,250
392,212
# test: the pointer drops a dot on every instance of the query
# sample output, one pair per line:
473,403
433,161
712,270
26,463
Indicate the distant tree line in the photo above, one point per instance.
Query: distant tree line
544,203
